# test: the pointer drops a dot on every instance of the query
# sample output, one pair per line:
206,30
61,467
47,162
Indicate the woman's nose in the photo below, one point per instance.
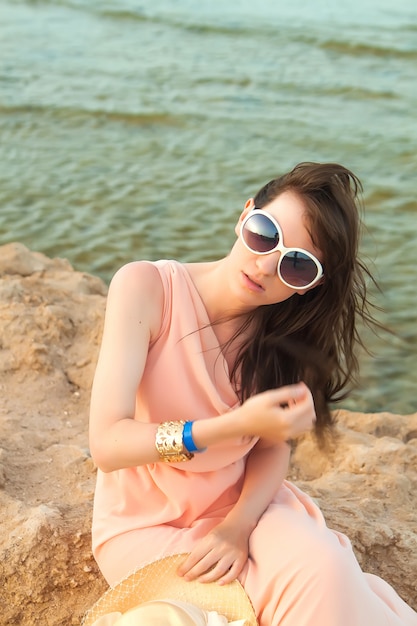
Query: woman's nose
267,263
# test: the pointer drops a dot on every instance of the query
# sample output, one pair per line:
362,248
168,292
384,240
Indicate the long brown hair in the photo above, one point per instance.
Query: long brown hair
313,337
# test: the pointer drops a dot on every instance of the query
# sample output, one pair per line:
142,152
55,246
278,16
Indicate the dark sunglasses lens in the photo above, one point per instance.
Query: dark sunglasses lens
298,269
260,234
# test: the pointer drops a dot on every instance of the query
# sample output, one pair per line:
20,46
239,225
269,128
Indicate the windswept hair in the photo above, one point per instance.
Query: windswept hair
313,337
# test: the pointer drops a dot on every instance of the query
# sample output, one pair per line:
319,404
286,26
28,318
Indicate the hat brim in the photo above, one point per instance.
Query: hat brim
159,581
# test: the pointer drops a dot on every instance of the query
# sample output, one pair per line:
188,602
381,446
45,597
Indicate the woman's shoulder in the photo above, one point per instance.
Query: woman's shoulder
137,276
138,286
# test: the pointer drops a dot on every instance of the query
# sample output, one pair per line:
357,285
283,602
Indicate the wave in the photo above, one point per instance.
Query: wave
264,30
136,119
118,12
178,23
242,25
358,49
357,93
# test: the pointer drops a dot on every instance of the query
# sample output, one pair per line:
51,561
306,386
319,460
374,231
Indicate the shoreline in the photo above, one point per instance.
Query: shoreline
51,321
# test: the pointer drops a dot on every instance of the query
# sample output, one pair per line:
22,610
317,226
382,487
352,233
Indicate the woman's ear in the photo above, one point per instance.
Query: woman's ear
249,205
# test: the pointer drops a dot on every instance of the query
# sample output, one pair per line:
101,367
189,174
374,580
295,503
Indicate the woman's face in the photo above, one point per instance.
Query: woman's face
258,280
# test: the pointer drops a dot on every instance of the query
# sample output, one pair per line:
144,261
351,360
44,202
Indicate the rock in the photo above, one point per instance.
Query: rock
367,489
17,259
51,320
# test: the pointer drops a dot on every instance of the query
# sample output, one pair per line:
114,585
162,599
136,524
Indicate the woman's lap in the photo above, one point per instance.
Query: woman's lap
299,572
125,553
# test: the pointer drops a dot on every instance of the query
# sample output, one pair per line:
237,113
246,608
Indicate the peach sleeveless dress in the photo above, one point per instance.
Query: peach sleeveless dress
299,573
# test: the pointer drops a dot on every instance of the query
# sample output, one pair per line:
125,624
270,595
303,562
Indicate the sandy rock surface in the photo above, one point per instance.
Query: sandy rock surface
50,326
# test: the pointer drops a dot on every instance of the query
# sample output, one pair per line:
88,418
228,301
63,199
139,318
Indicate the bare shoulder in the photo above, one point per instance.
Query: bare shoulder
137,275
137,287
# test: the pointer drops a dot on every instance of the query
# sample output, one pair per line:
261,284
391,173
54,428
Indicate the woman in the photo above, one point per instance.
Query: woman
205,373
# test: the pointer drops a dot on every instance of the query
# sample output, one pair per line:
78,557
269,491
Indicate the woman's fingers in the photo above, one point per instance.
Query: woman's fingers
196,566
214,573
280,414
214,565
293,396
232,573
224,571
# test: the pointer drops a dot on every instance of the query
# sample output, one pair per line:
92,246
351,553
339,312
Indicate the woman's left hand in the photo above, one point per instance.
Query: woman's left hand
220,556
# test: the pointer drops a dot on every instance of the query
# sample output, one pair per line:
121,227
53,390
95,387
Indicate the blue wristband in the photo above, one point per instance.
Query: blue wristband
187,439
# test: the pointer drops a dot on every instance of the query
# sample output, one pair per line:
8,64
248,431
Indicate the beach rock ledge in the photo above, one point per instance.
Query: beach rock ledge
51,319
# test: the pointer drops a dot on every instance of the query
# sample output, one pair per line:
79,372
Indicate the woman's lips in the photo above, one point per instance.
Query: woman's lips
252,284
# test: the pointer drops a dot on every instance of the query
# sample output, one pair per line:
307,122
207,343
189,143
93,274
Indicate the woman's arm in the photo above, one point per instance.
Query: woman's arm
133,318
266,468
222,554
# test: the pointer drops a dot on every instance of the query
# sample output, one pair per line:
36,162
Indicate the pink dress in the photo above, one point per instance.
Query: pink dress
300,573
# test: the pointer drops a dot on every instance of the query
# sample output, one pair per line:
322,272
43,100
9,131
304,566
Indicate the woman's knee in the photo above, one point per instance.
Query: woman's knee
300,547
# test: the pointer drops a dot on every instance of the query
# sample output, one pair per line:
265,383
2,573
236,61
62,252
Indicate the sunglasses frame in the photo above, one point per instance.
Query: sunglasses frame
280,248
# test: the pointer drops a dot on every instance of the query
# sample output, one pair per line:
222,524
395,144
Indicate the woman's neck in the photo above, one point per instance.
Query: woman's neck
210,280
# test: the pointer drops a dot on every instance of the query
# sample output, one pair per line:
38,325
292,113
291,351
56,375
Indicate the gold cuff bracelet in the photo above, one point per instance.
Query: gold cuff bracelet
169,442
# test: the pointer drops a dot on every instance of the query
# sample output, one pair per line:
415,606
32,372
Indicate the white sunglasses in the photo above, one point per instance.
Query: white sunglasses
261,234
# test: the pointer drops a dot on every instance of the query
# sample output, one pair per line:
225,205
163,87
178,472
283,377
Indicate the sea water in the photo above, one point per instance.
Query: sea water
133,130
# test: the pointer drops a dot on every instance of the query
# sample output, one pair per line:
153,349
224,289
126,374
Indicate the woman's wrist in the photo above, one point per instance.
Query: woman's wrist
207,432
188,440
241,520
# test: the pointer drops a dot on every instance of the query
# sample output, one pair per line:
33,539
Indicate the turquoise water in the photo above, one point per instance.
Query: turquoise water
138,129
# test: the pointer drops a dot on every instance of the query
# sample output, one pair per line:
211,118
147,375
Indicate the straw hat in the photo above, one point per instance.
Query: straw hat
158,582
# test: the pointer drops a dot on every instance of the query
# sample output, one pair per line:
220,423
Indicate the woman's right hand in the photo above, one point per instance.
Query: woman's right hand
279,414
